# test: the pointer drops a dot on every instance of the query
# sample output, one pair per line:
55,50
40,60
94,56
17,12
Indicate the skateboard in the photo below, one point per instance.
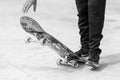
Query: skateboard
45,39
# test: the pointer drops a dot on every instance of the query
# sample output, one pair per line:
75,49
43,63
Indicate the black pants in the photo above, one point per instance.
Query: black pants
91,20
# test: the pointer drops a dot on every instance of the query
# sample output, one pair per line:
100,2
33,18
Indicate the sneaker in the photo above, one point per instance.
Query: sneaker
92,64
93,60
83,54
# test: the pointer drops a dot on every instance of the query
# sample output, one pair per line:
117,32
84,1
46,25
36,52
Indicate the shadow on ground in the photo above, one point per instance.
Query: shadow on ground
109,60
67,69
104,63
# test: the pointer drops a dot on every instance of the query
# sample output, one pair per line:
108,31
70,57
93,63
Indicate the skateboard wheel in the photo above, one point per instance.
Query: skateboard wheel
43,41
59,62
75,64
28,40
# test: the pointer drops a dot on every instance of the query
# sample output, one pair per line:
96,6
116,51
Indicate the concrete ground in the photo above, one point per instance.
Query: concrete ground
20,61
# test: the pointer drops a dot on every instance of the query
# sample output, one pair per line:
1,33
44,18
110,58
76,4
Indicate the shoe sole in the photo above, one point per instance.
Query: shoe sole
91,64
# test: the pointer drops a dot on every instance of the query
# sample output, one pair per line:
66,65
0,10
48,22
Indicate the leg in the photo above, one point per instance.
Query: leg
96,11
83,23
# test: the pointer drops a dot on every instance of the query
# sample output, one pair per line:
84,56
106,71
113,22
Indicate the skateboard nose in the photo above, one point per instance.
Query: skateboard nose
24,24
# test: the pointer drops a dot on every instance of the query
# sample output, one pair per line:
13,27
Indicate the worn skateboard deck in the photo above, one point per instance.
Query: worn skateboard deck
44,38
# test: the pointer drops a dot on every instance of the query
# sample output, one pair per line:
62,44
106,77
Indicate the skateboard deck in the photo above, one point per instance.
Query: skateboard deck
33,27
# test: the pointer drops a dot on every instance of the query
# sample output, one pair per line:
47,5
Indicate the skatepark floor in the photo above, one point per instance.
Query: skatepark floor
20,61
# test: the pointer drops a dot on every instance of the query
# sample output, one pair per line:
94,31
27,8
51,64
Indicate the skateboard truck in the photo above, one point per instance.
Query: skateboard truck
72,63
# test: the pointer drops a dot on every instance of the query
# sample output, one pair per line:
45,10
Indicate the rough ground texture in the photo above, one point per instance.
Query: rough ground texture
20,61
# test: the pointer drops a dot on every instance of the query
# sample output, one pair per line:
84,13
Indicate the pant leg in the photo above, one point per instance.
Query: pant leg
96,11
83,22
